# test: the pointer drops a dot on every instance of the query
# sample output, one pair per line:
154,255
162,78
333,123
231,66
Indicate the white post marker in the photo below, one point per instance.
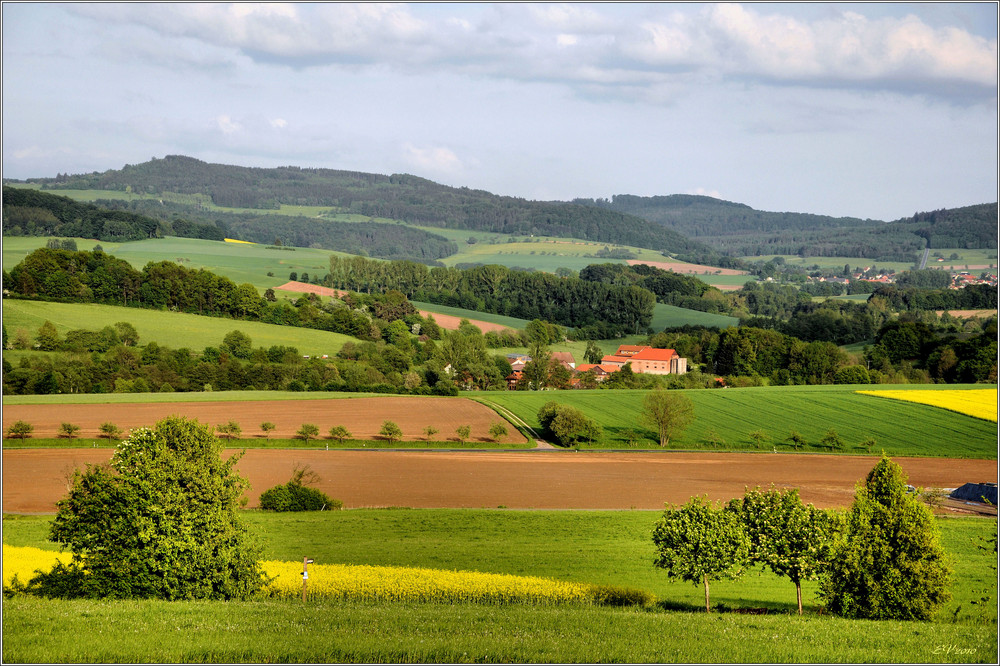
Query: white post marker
305,576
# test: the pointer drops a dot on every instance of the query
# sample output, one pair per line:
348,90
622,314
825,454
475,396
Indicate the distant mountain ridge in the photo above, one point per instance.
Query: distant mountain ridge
691,227
399,196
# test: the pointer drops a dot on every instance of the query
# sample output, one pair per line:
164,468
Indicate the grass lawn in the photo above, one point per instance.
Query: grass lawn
170,329
610,546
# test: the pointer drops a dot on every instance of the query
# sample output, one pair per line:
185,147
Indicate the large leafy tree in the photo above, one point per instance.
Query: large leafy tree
160,521
791,538
890,565
669,412
700,541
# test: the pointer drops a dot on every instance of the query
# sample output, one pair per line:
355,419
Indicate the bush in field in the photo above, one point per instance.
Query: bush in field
429,432
890,565
159,521
568,425
266,427
792,539
296,495
463,433
498,431
20,429
230,430
699,541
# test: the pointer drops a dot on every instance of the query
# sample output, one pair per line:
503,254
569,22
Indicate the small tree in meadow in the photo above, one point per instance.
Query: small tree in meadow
307,431
266,427
463,433
429,432
869,443
110,431
498,431
832,439
758,437
796,439
698,542
68,430
340,433
20,429
792,539
391,431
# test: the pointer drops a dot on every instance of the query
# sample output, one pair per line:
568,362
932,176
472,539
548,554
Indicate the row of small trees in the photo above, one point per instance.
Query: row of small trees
882,561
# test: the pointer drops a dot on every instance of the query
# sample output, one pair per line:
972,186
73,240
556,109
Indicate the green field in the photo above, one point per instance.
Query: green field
667,316
612,547
724,418
170,329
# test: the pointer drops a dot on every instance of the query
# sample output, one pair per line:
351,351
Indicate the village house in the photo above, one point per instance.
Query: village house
647,360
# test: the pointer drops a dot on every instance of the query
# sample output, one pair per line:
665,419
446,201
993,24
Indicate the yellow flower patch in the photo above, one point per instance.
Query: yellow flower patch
23,561
980,403
233,240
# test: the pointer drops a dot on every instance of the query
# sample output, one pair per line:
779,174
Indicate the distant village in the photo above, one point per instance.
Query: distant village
958,280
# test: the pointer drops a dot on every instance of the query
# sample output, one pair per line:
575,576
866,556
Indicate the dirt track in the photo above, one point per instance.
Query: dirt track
33,480
363,417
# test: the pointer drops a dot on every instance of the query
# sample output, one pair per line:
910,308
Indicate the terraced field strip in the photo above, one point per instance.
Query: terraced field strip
980,403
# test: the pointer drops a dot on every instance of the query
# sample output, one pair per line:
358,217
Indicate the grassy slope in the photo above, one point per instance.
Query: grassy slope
171,329
731,414
611,547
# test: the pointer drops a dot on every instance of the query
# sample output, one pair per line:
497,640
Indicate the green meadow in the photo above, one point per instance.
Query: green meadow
170,329
611,547
724,418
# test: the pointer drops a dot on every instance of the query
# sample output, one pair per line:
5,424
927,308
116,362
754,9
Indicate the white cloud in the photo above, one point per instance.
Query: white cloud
705,192
278,123
227,125
436,159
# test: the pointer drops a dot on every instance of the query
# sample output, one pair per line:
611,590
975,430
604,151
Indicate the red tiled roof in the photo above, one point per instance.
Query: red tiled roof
628,350
652,354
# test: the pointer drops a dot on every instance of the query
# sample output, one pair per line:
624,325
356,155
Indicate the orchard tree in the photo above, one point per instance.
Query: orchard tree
668,412
266,427
792,539
68,430
498,431
307,431
20,429
700,541
391,431
890,565
159,521
429,432
463,433
110,430
832,439
758,437
230,430
340,433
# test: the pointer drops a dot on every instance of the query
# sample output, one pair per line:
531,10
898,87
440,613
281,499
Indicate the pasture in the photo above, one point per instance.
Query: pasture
587,547
724,419
170,329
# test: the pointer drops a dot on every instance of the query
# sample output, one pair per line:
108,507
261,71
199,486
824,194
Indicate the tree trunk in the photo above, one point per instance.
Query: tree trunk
798,594
708,608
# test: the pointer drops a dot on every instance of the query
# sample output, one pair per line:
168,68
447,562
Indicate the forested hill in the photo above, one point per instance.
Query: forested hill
738,230
399,196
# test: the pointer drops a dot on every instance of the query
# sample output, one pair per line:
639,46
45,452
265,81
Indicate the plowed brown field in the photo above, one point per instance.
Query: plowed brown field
33,480
363,417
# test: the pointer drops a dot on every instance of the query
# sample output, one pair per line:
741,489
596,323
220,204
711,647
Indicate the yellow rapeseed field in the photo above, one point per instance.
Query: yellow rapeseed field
981,403
367,583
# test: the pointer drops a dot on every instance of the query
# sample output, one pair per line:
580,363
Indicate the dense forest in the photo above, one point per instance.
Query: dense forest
29,212
735,229
400,196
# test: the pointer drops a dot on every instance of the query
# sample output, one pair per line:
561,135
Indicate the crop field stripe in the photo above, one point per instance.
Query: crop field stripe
978,403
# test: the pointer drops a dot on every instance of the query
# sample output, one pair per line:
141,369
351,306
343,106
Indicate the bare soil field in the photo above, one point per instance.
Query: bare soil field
447,322
965,314
680,267
34,480
363,417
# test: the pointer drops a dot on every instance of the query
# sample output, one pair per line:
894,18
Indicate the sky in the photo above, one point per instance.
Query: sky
871,110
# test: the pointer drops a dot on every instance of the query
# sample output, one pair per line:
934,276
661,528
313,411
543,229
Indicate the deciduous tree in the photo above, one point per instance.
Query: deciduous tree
667,411
391,431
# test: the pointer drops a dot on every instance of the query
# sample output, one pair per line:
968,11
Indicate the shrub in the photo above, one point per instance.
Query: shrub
20,429
68,430
160,521
568,425
891,564
297,496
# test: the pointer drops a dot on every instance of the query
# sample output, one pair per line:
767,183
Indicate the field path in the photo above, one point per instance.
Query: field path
34,480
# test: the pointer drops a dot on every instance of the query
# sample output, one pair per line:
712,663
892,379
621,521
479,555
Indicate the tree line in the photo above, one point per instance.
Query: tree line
31,212
496,289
